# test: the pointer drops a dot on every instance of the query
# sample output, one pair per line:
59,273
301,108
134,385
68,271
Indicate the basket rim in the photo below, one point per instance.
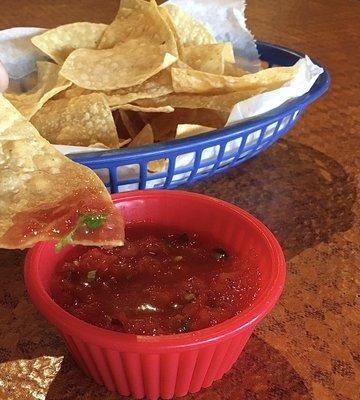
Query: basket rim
211,138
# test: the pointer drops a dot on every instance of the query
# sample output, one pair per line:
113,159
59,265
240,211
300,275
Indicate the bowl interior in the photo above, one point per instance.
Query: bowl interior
230,227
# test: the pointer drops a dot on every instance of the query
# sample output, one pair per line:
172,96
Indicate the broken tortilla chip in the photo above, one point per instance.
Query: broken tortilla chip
122,143
166,16
120,127
132,122
144,137
165,125
133,107
188,30
189,130
44,195
157,165
59,42
49,83
228,52
79,121
158,85
221,102
72,91
191,81
209,58
231,69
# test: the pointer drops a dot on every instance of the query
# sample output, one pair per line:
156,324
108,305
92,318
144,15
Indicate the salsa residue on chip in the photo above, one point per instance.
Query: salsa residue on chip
43,193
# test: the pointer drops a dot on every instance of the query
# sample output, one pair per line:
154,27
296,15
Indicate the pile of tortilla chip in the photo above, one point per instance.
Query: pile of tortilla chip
153,74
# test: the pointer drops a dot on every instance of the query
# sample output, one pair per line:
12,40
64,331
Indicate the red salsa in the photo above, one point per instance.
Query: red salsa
160,282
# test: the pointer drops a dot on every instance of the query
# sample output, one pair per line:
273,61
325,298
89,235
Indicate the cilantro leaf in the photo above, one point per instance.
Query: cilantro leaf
89,221
93,221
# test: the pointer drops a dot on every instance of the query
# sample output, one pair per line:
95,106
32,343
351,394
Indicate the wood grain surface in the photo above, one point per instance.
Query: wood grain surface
305,188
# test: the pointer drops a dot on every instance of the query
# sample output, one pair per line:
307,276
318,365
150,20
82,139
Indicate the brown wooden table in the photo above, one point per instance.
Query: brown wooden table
304,188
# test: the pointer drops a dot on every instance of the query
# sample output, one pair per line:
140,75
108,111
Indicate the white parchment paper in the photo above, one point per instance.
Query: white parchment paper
226,20
17,52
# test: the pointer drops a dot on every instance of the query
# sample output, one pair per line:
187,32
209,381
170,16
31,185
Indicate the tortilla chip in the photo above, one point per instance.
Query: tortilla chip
164,125
117,101
79,121
188,30
145,22
133,107
233,70
209,58
132,5
189,130
122,143
221,102
124,12
114,97
158,85
132,122
166,16
120,127
71,92
228,52
128,64
59,42
204,58
43,193
48,85
99,146
191,81
144,137
157,165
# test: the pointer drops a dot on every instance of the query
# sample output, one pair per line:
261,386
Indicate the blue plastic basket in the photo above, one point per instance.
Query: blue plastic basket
263,131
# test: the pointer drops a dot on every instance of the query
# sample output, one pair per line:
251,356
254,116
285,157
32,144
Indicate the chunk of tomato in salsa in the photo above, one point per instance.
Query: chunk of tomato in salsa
160,282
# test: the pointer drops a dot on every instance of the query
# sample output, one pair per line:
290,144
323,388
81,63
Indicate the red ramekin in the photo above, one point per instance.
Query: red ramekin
172,365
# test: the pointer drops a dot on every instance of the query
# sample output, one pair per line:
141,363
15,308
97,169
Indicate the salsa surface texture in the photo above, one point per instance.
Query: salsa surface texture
160,282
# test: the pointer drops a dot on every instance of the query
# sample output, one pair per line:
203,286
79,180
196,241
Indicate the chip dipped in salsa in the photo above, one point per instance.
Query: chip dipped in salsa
46,196
160,282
